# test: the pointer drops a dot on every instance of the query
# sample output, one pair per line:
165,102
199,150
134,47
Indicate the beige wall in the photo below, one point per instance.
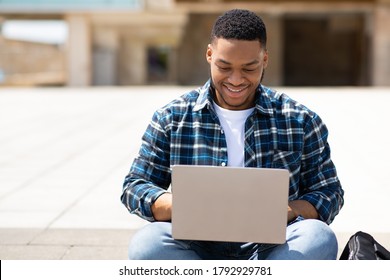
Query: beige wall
24,63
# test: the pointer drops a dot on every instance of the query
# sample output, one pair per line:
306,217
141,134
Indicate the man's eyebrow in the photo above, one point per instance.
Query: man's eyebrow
246,64
252,63
223,61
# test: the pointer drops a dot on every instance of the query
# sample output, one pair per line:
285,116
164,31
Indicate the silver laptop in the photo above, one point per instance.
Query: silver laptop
229,204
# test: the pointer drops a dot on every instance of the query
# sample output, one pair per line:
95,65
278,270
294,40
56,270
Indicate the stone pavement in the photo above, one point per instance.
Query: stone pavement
64,153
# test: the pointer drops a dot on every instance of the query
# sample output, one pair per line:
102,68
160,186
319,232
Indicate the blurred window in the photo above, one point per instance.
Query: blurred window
158,64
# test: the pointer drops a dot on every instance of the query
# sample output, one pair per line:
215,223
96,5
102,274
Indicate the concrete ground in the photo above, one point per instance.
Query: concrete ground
64,153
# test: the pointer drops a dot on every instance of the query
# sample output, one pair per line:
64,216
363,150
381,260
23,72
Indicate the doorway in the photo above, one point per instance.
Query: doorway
325,51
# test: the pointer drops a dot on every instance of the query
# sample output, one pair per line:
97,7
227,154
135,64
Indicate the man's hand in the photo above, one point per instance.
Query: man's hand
301,207
162,207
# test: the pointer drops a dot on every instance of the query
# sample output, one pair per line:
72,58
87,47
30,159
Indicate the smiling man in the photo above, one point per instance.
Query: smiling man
234,120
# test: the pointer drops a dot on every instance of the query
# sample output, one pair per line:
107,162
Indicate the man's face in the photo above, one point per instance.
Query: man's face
236,70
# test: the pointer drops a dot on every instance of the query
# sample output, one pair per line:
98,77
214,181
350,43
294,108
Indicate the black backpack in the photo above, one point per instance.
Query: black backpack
362,246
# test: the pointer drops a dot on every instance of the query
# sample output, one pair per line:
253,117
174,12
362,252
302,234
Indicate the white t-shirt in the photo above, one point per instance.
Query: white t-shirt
233,124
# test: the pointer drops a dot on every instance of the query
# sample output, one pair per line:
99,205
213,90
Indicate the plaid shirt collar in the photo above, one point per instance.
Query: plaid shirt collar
263,103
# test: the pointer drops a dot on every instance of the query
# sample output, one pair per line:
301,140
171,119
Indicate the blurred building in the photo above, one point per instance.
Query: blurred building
137,42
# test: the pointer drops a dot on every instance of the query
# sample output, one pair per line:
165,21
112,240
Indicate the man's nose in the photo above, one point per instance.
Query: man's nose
236,78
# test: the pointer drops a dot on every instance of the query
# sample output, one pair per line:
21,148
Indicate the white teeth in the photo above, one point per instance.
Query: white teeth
235,90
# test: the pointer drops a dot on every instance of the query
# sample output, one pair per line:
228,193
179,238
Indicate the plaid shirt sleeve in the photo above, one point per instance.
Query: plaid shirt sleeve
319,181
149,176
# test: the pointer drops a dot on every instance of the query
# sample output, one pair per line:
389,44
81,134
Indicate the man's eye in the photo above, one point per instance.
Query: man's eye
249,70
223,68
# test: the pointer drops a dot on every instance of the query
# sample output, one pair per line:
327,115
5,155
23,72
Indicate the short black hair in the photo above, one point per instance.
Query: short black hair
240,25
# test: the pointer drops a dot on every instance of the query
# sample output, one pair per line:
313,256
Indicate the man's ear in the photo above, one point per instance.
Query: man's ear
265,59
209,53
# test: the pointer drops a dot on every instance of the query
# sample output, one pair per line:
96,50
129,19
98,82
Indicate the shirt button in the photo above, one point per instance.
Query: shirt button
221,131
223,164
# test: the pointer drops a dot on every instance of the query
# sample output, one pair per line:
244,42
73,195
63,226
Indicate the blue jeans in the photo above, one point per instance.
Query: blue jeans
306,240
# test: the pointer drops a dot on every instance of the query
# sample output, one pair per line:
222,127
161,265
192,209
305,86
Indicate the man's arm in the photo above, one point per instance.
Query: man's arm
149,176
301,208
321,186
162,207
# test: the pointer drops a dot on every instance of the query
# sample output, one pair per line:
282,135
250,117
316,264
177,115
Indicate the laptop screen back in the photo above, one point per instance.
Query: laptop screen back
229,204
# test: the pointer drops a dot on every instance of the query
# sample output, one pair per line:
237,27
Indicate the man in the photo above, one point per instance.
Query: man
234,120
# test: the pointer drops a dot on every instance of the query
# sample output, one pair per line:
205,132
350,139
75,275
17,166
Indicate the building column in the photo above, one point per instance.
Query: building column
105,56
79,54
381,44
133,62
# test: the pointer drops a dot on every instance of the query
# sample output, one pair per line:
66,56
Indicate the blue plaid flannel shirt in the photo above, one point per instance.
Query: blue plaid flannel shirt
280,133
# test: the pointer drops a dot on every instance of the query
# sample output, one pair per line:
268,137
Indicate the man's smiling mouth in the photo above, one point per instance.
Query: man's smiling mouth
236,90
